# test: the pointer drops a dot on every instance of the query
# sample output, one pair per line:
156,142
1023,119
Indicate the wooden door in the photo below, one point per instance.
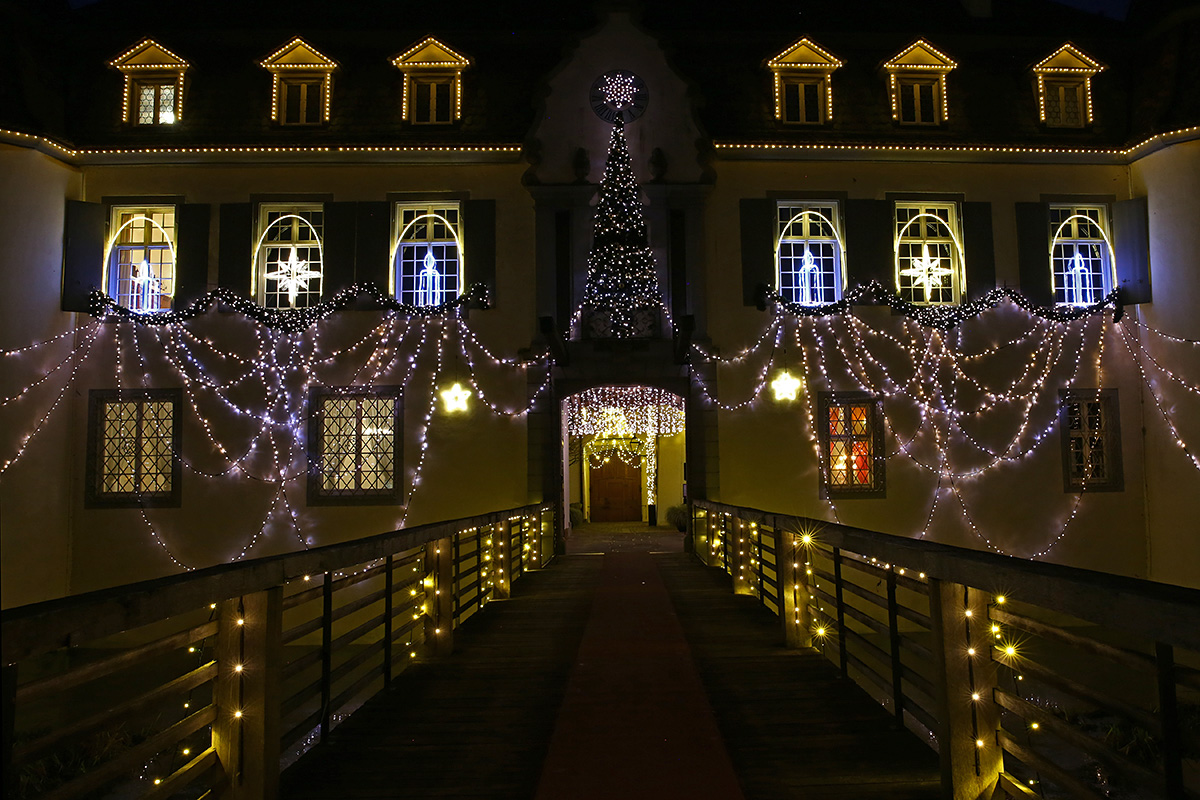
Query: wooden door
616,490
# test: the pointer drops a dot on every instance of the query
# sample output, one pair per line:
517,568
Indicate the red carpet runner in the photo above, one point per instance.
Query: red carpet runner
635,721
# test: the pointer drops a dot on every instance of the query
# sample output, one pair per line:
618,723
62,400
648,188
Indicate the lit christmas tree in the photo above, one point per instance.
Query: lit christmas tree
621,299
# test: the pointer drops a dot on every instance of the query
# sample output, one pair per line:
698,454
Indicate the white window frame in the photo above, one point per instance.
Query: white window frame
910,242
306,238
162,116
139,265
1071,248
908,84
427,84
794,228
309,84
802,106
409,234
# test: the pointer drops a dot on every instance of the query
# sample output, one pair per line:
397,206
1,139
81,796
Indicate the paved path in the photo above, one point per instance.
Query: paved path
588,684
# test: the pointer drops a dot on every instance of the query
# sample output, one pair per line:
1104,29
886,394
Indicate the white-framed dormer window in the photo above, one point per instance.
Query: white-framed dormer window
302,99
301,83
920,100
427,261
1064,87
917,84
808,252
432,92
803,85
154,82
289,255
140,267
1063,103
929,258
1081,269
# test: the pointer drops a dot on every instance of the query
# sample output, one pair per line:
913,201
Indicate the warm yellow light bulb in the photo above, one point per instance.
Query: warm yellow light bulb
785,386
455,398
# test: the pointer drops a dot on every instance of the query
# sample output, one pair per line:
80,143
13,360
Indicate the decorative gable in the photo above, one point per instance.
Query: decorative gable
300,68
149,67
1064,87
802,72
917,84
432,82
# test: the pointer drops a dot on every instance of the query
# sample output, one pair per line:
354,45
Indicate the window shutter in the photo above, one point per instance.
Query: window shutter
83,253
191,267
479,245
1131,241
372,241
758,247
979,248
1033,252
235,251
338,248
869,253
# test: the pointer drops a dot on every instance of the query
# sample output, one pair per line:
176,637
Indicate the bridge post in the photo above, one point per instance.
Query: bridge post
964,678
439,619
791,567
740,566
245,733
500,555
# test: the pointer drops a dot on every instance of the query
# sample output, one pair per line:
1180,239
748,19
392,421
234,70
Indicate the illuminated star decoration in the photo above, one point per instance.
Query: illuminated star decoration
293,276
785,386
149,288
455,398
618,90
925,271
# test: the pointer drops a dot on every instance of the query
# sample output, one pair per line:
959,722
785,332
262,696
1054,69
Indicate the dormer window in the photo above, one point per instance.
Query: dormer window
432,82
803,90
301,84
153,84
1064,87
917,84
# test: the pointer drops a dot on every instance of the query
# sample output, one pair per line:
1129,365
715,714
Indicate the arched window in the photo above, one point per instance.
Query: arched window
428,261
140,267
1080,263
289,256
808,252
929,258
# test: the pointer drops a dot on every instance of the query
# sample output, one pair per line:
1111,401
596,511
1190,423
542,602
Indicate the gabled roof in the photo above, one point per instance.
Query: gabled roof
1068,58
147,55
921,55
805,54
429,52
298,54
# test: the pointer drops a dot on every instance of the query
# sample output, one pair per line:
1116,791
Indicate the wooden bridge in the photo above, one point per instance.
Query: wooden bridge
777,657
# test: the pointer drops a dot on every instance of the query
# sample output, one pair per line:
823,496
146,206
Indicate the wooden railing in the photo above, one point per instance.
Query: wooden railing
1029,679
213,680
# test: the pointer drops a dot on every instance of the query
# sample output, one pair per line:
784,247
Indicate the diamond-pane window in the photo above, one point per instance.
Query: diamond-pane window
354,445
808,253
1091,436
132,445
851,444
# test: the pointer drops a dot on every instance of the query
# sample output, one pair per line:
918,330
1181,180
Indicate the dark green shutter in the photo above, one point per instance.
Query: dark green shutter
235,250
980,251
1033,252
83,253
758,220
479,244
1131,241
869,253
338,250
191,264
373,244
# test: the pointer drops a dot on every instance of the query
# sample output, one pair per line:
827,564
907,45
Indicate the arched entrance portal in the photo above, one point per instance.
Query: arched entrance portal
624,453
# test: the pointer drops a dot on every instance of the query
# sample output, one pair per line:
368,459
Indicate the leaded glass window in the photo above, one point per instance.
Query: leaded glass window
290,269
354,439
154,102
1064,103
427,266
808,255
141,259
851,442
1079,259
928,271
132,447
1090,429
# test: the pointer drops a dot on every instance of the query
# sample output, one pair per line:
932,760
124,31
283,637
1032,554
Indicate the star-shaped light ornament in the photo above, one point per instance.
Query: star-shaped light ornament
455,398
618,90
293,276
925,271
786,386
